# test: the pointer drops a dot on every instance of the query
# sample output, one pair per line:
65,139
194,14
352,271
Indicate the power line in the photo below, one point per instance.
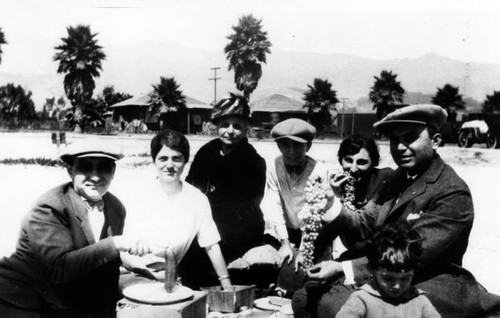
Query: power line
215,78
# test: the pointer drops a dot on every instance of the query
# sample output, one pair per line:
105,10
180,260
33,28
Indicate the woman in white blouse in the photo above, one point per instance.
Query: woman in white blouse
183,212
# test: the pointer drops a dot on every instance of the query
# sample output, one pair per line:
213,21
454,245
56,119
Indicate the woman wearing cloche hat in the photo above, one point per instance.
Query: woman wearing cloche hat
232,175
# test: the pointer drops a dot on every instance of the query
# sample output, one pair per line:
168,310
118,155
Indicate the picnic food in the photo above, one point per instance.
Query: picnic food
310,218
349,188
170,270
155,293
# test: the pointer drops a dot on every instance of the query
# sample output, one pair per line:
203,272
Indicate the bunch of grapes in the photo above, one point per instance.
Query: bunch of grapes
310,218
349,192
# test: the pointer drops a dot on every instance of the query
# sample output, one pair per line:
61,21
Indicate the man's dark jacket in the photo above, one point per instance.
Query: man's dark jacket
57,263
437,204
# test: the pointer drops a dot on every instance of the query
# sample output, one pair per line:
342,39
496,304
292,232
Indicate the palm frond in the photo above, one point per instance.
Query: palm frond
246,50
320,96
2,41
386,92
167,96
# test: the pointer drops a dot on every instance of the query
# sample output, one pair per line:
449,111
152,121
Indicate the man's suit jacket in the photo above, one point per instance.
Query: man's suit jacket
57,263
438,204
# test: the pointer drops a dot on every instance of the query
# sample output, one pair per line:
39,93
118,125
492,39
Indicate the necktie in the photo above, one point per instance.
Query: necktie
91,205
297,169
403,184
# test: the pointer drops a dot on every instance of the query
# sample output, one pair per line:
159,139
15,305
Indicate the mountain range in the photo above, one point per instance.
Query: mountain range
135,68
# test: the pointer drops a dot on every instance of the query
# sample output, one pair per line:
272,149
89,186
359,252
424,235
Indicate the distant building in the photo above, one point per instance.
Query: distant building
274,105
139,109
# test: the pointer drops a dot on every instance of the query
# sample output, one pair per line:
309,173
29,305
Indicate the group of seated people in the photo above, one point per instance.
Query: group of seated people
404,232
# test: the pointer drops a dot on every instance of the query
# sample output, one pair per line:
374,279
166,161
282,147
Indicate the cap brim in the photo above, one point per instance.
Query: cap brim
217,119
68,158
294,138
100,155
385,126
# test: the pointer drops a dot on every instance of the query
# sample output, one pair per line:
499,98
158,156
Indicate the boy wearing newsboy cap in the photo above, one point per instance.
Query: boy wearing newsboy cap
287,177
67,259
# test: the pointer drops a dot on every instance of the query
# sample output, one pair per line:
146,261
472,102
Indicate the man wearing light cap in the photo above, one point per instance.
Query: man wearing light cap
287,177
67,259
434,200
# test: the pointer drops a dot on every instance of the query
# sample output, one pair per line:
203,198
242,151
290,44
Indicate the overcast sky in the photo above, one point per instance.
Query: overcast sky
381,29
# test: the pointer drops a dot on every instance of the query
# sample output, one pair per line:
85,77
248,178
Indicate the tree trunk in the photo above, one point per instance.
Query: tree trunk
78,118
78,128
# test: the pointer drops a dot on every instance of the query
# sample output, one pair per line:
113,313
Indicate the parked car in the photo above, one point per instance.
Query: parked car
476,131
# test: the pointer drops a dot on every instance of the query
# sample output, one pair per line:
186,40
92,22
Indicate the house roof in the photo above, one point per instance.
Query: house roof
294,93
141,100
277,103
194,103
144,100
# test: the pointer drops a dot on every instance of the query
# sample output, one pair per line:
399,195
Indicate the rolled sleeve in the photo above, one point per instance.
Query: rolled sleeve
272,208
208,233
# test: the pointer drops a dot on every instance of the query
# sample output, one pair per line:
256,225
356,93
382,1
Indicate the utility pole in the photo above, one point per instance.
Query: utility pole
352,124
343,117
215,78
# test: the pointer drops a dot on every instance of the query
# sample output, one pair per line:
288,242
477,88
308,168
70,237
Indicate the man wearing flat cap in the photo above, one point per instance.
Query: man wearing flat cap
287,177
426,193
230,172
67,258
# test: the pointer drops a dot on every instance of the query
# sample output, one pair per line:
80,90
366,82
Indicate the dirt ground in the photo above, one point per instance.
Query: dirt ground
21,185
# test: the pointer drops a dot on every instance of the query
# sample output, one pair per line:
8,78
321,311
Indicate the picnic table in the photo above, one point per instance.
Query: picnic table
196,307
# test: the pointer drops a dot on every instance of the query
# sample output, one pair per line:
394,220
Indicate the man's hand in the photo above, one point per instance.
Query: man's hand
325,272
285,252
131,262
132,246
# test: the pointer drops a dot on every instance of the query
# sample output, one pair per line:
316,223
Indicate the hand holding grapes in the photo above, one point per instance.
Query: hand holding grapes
325,272
310,218
343,187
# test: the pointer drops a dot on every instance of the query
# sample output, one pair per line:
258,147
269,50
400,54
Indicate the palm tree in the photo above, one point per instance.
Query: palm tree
2,41
492,102
319,99
386,93
167,99
80,59
245,52
449,98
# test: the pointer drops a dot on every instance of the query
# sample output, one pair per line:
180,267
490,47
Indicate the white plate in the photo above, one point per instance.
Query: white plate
264,304
155,293
287,310
279,301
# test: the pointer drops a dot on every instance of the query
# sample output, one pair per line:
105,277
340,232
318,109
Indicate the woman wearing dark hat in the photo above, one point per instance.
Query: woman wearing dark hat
232,175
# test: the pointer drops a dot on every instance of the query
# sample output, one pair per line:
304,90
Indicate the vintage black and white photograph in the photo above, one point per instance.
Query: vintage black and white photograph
231,158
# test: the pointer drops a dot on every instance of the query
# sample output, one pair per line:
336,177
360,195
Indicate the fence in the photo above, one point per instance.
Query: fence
355,123
33,124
